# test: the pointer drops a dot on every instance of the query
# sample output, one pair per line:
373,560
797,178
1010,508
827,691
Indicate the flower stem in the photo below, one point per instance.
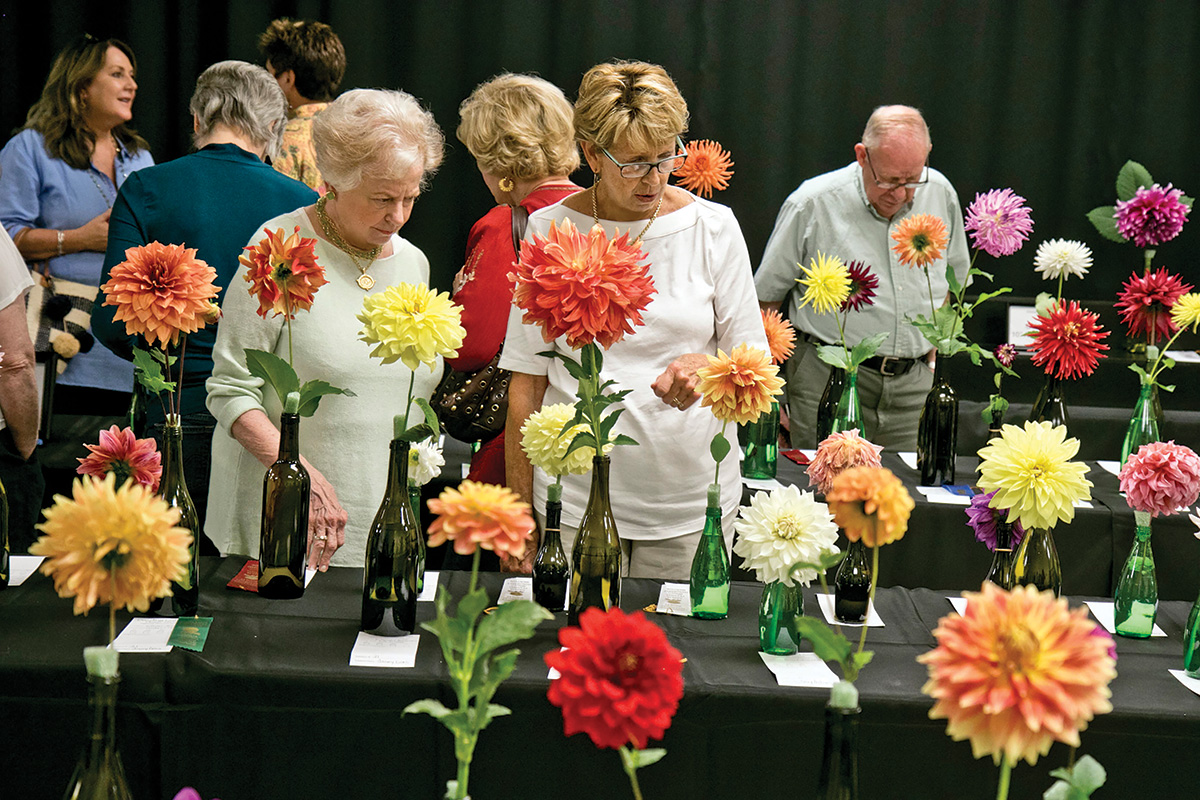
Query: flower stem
1152,375
412,378
862,637
1005,774
474,571
717,469
929,283
1061,277
628,764
1148,254
112,607
287,317
179,385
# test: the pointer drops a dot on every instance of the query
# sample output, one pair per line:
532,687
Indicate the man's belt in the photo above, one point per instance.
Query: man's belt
887,366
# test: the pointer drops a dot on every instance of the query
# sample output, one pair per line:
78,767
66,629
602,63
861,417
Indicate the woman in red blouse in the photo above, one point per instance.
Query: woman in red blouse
519,129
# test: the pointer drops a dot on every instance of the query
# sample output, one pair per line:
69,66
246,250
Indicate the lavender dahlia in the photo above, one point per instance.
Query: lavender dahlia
999,222
983,518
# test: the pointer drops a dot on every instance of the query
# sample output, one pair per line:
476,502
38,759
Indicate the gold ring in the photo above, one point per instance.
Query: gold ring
322,538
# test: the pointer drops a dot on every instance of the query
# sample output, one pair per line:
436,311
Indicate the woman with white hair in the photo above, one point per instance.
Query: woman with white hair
376,150
212,200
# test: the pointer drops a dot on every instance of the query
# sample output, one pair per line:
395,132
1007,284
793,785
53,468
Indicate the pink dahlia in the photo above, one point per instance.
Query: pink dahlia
837,453
1161,478
1154,215
999,222
1146,302
1006,354
124,455
862,287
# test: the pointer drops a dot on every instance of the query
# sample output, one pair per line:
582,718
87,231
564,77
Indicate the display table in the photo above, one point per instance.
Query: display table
271,709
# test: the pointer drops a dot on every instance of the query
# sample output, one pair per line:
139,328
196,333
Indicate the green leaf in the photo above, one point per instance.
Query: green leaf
416,433
471,606
1166,388
582,439
607,423
149,372
860,660
828,646
952,279
430,415
623,439
828,560
494,711
511,622
1187,201
433,708
644,758
1133,176
834,356
1043,302
1106,224
312,392
274,371
867,348
719,447
1077,783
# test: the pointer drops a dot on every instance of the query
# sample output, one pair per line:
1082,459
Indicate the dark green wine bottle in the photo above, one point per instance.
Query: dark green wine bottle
852,585
283,537
392,579
709,583
99,772
5,562
185,592
828,406
550,567
596,554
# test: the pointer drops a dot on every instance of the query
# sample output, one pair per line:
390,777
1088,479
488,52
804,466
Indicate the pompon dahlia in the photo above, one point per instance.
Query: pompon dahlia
1062,258
1161,478
707,167
587,288
620,680
108,544
781,336
543,440
125,456
1152,216
782,528
1006,354
739,386
411,323
837,453
1146,300
481,515
870,503
863,284
283,273
1031,473
161,291
1186,312
1017,672
920,240
425,462
982,519
1068,341
999,222
826,283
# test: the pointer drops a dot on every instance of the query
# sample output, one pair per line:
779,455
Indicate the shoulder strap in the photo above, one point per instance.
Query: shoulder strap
520,219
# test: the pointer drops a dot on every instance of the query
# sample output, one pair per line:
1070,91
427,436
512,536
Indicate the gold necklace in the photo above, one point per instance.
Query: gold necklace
654,216
364,281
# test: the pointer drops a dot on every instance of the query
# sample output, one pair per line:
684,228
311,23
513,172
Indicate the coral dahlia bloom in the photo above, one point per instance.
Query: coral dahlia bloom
870,503
620,680
411,323
1062,258
1161,478
826,283
1068,341
863,284
1152,216
982,519
739,386
837,453
782,528
543,440
781,336
920,240
1146,301
106,544
587,288
1017,672
1031,473
999,222
1186,312
124,455
283,273
708,167
481,515
161,291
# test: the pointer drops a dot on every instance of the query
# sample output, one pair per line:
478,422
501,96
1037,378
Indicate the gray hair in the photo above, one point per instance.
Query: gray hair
243,97
901,121
381,131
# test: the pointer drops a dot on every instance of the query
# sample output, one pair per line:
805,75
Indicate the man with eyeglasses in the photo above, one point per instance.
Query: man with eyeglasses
851,213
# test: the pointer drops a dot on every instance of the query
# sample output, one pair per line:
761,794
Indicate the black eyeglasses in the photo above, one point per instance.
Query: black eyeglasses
888,186
640,169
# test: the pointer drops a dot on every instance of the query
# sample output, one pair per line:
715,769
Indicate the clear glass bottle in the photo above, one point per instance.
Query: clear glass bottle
550,566
849,410
839,765
709,584
1135,602
172,487
779,614
1143,425
828,406
937,431
762,445
1036,562
283,537
596,552
852,585
99,773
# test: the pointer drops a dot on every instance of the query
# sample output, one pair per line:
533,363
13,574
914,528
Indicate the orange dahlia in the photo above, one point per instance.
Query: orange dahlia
920,240
1018,671
708,167
124,455
283,273
781,336
481,515
587,288
870,503
161,291
1068,341
739,386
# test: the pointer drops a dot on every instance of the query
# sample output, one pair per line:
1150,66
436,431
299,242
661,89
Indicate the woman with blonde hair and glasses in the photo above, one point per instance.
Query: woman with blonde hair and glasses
630,119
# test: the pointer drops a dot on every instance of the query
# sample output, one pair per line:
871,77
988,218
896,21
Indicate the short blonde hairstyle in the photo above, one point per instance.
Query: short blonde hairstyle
383,131
895,121
630,102
519,126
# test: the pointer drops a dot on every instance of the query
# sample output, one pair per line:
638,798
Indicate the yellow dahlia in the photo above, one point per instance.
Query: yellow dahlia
920,240
411,323
1031,471
826,283
1186,311
546,444
870,503
781,336
739,386
1017,672
161,291
481,515
112,545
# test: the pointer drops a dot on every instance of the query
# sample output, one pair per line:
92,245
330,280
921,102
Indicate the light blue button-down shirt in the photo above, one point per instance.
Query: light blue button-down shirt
830,213
38,191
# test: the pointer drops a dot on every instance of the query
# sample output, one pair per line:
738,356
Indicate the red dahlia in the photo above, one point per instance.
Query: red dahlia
1068,341
1145,304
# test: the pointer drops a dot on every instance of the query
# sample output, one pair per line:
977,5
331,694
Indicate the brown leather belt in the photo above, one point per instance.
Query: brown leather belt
887,366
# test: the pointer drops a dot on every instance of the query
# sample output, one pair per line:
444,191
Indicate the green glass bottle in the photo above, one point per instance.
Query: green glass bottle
852,585
1143,425
1036,562
1191,642
1001,570
709,584
99,773
596,553
828,405
172,487
1050,405
839,765
779,615
550,566
849,411
762,445
283,537
1135,602
391,579
937,431
5,561
414,499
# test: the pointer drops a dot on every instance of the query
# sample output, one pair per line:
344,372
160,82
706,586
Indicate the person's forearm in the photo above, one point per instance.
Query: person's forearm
525,393
39,244
19,402
255,432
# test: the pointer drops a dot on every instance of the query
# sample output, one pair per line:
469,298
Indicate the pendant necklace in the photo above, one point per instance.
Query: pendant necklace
91,171
364,281
654,216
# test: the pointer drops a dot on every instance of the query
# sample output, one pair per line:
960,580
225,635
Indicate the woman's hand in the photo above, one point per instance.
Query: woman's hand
326,521
93,235
677,385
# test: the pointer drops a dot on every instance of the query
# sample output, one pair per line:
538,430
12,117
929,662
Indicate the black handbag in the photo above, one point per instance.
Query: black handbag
473,406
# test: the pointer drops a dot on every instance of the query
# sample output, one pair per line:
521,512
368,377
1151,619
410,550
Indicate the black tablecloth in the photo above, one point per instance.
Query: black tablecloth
271,709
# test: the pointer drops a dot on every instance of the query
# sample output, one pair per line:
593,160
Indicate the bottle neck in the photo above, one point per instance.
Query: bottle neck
102,698
600,465
172,458
553,529
398,469
289,437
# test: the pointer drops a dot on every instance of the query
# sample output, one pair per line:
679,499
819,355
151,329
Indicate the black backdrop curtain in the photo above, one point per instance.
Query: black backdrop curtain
1047,97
